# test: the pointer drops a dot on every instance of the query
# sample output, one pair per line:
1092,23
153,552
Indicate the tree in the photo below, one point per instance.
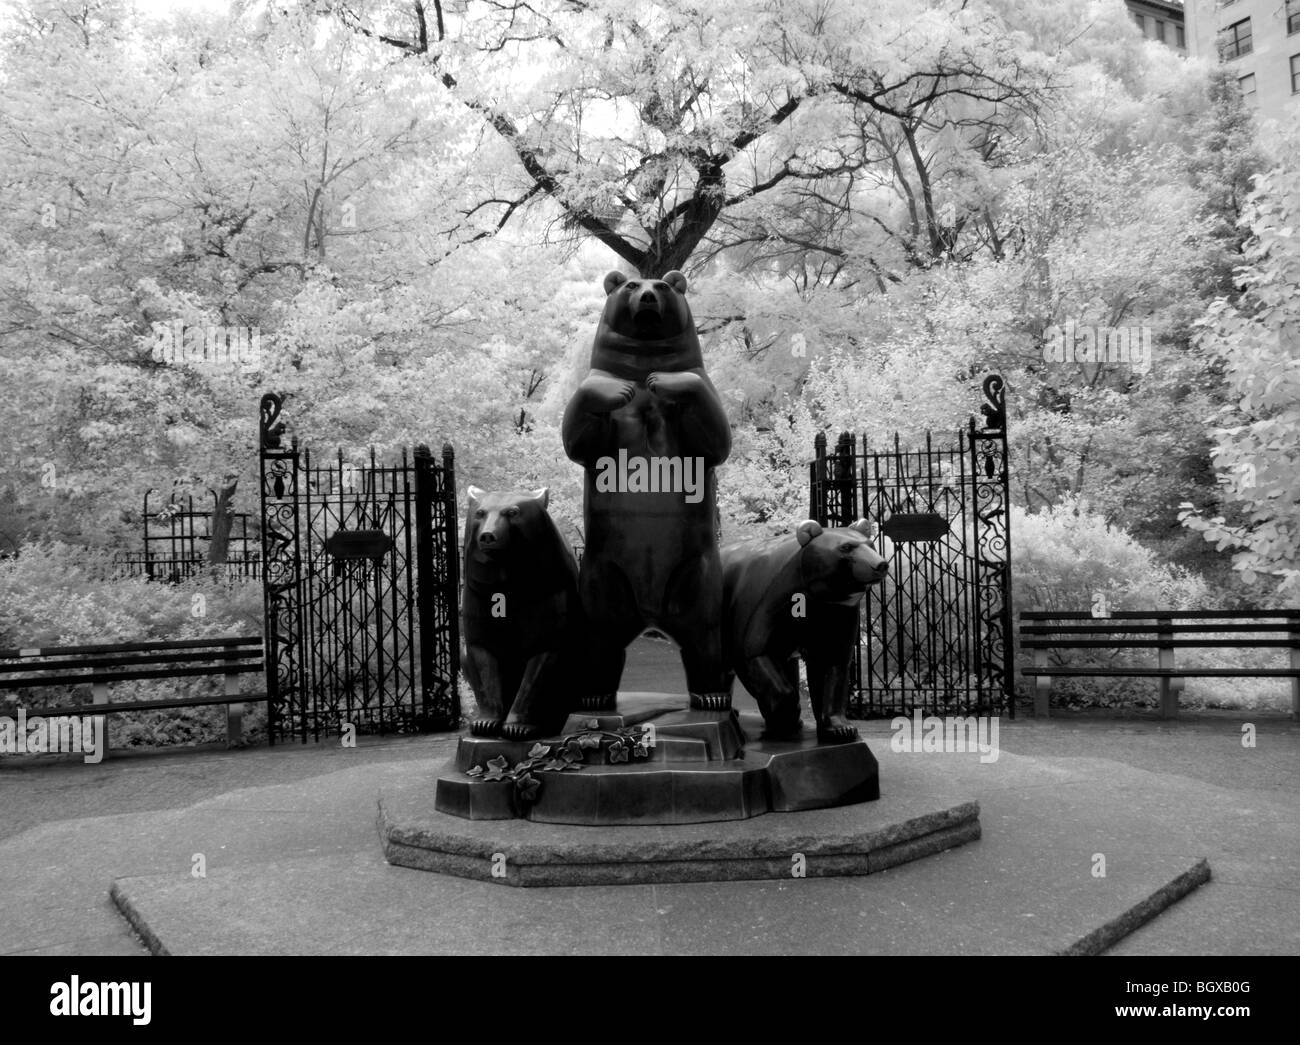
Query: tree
1257,451
644,131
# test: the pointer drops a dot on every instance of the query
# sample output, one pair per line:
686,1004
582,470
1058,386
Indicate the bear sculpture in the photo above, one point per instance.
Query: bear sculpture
798,595
648,427
519,615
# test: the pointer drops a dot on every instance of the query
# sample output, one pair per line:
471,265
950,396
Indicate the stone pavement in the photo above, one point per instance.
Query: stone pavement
295,825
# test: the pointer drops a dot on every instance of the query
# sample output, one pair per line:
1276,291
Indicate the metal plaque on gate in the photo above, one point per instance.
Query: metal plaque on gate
359,544
915,526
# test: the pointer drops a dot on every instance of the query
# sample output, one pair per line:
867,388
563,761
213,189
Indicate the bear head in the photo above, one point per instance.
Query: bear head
839,563
499,522
646,326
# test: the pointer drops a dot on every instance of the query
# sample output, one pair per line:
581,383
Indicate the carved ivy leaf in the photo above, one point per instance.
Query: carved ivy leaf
589,741
496,774
539,750
640,751
500,763
593,723
474,771
617,752
527,786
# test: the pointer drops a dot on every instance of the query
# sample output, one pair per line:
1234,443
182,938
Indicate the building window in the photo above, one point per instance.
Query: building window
1160,30
1235,41
1141,22
1247,85
1292,16
1181,37
1295,74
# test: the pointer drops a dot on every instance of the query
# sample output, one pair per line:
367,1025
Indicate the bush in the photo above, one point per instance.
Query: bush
1065,557
55,594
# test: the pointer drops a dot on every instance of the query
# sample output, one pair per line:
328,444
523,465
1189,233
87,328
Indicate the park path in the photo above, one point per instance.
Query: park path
1125,787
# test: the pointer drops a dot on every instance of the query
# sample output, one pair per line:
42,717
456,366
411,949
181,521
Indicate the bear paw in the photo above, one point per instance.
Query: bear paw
836,730
711,701
672,387
603,395
485,727
597,701
520,731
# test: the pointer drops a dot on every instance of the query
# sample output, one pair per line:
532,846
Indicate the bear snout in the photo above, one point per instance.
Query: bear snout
870,570
494,536
648,300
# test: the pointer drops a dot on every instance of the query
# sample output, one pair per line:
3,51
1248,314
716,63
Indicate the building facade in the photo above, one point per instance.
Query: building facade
1259,40
1160,20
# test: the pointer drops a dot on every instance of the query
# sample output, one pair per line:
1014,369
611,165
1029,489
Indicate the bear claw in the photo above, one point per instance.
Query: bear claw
520,731
485,727
837,731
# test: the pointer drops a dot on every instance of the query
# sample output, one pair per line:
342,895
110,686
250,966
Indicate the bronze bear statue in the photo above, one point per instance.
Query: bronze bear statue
520,614
798,595
648,427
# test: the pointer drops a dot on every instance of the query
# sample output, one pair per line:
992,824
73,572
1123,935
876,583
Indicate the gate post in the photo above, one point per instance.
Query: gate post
424,590
995,648
817,480
452,558
280,560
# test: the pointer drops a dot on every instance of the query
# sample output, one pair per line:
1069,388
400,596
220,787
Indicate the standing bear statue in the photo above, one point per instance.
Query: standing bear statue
648,427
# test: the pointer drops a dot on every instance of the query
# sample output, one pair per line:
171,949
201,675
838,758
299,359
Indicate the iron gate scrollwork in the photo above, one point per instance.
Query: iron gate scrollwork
936,635
360,586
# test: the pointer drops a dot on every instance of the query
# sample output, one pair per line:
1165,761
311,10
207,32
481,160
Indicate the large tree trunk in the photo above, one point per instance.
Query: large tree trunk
222,517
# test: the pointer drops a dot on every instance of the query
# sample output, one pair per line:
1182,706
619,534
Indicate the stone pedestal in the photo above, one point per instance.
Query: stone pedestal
702,766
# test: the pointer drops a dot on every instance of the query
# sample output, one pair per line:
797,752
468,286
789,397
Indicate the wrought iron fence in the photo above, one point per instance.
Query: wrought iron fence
177,533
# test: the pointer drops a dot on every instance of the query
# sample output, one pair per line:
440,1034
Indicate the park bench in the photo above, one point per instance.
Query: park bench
101,665
1164,632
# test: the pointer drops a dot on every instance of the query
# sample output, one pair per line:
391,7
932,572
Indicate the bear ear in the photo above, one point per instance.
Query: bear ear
475,495
807,531
614,280
676,280
864,527
543,495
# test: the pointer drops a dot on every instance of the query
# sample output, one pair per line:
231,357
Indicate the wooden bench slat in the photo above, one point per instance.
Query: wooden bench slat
1148,629
144,705
219,643
1218,673
31,664
28,681
1288,614
1049,643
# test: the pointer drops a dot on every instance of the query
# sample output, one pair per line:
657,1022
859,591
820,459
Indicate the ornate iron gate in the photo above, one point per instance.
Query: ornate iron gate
360,583
936,636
